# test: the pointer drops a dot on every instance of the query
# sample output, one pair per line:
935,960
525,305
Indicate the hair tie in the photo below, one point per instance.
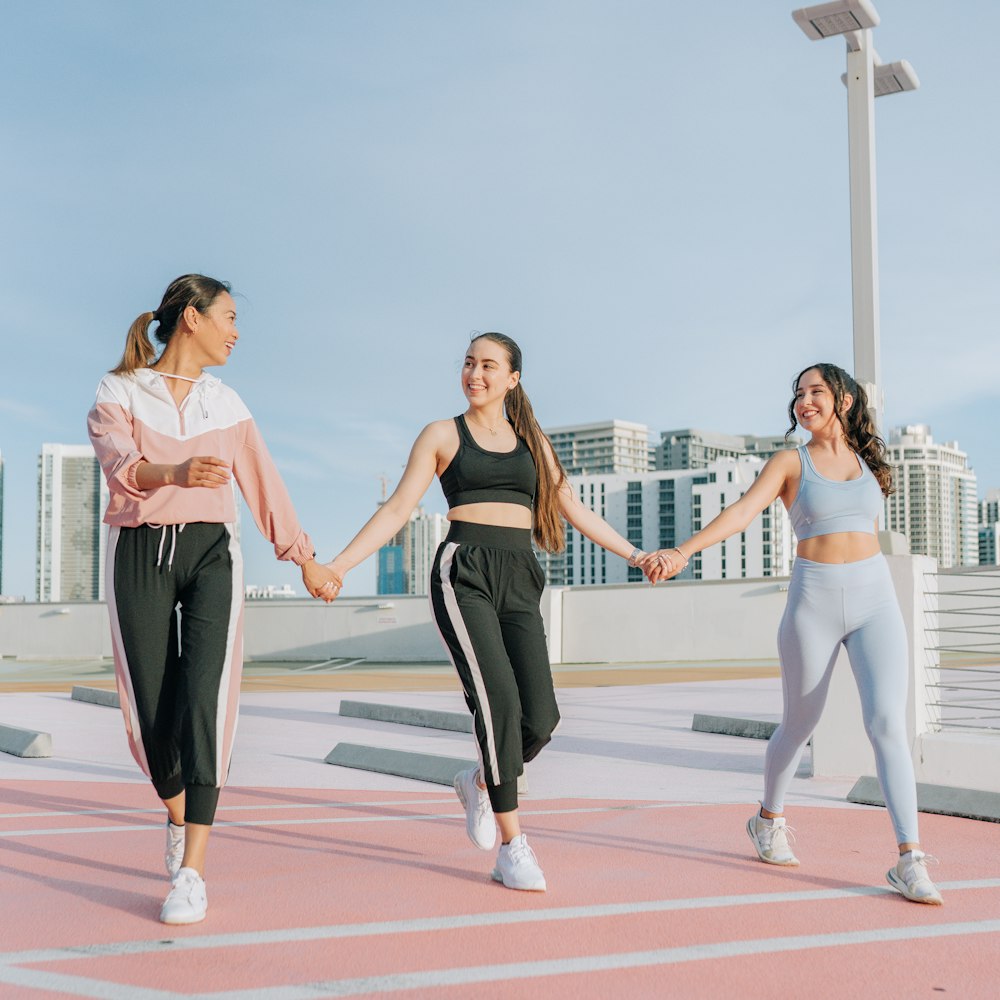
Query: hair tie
156,316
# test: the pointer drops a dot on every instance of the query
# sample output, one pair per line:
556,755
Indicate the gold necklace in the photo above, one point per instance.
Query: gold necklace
486,426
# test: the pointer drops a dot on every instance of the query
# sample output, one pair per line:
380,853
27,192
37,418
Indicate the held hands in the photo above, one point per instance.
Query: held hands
321,581
663,564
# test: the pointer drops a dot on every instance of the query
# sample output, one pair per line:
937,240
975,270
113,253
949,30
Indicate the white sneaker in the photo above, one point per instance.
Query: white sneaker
770,838
517,866
479,822
187,901
175,849
911,879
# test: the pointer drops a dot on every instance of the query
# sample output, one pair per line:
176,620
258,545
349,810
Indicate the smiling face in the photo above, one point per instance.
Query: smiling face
486,373
815,405
214,330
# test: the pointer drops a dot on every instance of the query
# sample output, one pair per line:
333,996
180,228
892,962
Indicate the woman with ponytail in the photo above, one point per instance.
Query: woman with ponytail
840,592
174,572
504,486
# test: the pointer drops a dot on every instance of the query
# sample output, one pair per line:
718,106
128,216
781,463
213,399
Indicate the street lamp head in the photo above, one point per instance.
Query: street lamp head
891,78
837,18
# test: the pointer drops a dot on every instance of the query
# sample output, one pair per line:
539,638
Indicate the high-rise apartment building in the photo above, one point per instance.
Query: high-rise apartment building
934,505
693,449
989,529
404,562
71,539
661,508
608,446
1,522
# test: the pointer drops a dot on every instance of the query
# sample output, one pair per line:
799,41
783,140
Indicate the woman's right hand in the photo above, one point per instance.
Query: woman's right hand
202,470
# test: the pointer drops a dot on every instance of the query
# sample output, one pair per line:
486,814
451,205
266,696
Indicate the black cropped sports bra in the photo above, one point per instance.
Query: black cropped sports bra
476,475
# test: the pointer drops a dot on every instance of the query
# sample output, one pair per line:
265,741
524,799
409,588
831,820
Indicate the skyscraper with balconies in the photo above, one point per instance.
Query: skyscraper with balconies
71,538
934,504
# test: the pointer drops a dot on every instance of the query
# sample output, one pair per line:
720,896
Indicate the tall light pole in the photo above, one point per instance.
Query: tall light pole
866,78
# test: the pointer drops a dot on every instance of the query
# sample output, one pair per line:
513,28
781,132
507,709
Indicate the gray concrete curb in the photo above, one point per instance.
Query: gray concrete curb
25,742
457,722
753,729
96,696
403,763
944,800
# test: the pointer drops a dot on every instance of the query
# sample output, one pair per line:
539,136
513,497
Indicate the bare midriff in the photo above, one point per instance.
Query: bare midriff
840,547
502,515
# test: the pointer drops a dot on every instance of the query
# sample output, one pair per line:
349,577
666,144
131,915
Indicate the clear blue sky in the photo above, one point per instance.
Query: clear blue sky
651,197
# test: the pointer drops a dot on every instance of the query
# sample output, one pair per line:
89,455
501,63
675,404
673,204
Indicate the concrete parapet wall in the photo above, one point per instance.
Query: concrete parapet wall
705,620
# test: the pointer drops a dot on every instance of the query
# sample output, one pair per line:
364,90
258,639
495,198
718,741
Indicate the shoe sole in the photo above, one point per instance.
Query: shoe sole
460,792
498,877
791,863
900,886
181,923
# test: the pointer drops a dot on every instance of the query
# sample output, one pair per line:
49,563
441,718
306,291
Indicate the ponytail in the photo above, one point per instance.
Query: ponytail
547,526
139,350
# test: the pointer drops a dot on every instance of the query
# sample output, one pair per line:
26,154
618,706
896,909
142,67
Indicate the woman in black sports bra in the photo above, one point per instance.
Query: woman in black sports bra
504,487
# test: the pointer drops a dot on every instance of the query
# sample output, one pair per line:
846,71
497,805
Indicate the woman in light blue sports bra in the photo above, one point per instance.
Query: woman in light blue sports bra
840,592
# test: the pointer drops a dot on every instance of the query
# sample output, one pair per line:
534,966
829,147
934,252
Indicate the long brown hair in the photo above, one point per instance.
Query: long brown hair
859,428
188,290
547,526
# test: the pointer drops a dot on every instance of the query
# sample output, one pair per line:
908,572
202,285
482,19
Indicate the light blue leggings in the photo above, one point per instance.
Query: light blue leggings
854,604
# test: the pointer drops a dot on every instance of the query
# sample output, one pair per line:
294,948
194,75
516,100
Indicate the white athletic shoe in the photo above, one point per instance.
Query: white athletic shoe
517,866
187,901
479,822
175,849
911,879
770,838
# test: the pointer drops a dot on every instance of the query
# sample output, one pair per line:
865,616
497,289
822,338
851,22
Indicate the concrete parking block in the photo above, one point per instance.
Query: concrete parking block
754,729
96,696
403,763
25,742
940,799
458,722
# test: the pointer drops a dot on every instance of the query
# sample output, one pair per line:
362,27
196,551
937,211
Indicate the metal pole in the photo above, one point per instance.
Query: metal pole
864,239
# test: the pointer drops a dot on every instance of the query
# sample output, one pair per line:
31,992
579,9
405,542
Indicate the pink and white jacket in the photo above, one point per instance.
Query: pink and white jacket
135,419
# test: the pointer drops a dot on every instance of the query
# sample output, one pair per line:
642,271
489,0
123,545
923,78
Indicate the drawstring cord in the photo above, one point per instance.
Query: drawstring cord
175,530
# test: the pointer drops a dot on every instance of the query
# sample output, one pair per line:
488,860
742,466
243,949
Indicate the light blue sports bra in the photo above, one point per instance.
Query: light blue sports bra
826,506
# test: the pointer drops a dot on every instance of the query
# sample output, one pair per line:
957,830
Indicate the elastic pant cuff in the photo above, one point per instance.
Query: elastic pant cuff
503,797
171,787
200,802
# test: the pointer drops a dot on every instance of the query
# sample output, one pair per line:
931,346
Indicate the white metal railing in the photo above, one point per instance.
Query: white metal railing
962,632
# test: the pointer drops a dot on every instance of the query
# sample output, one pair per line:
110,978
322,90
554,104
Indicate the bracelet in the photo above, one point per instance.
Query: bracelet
633,558
681,554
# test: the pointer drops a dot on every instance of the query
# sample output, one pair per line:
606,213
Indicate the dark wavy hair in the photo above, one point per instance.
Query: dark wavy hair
188,290
547,526
859,428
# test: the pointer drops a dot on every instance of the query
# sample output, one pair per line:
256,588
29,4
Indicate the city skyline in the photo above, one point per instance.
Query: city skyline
651,199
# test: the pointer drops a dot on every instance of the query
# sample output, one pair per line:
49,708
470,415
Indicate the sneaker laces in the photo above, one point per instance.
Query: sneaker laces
521,851
184,886
915,870
771,832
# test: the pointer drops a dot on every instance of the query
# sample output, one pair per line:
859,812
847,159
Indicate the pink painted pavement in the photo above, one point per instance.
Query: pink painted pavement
329,882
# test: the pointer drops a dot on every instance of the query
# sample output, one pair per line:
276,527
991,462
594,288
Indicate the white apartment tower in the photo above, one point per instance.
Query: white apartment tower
658,509
934,505
689,448
404,562
1,522
609,446
71,539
